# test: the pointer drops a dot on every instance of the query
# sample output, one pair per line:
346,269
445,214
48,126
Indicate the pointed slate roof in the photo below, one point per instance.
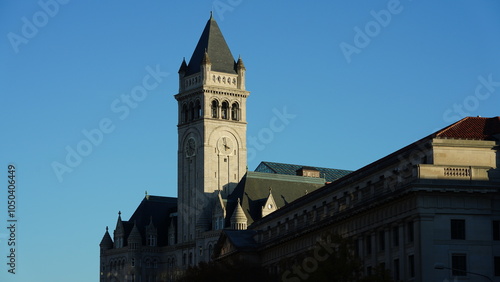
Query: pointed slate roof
330,174
212,41
134,235
106,242
238,214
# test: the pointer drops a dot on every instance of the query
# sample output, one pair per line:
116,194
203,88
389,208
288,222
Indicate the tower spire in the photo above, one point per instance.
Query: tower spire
213,43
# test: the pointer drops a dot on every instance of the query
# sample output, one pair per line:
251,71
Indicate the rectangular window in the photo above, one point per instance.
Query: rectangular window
496,230
151,240
395,236
411,265
458,264
457,227
368,244
410,231
356,247
496,263
381,240
395,271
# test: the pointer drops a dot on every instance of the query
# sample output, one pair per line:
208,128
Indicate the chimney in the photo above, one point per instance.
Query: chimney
308,172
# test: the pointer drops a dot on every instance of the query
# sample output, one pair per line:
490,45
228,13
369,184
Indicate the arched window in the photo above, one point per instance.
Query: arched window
184,259
190,259
184,113
210,251
215,109
191,111
197,108
225,110
235,112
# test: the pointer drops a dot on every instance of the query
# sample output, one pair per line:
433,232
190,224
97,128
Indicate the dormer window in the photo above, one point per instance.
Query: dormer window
119,242
151,241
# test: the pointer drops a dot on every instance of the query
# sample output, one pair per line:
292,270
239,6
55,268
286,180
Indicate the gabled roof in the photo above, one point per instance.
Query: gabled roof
212,41
477,128
330,174
237,240
241,239
253,190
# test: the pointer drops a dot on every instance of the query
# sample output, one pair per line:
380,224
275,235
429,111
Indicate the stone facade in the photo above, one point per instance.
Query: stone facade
435,201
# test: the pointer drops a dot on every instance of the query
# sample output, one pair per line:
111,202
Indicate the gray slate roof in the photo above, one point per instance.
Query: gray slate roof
219,54
253,191
329,174
159,209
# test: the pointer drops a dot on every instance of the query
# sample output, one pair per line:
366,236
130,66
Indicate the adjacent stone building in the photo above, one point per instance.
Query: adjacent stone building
434,201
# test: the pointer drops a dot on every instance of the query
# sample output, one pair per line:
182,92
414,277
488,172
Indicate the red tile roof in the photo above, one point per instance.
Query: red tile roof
477,128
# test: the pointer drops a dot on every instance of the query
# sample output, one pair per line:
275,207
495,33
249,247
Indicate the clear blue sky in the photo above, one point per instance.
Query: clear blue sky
360,78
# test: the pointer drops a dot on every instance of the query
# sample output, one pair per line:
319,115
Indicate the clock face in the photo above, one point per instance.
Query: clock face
190,147
225,145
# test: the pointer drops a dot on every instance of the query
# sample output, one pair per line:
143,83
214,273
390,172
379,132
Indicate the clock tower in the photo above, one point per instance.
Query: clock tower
212,154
